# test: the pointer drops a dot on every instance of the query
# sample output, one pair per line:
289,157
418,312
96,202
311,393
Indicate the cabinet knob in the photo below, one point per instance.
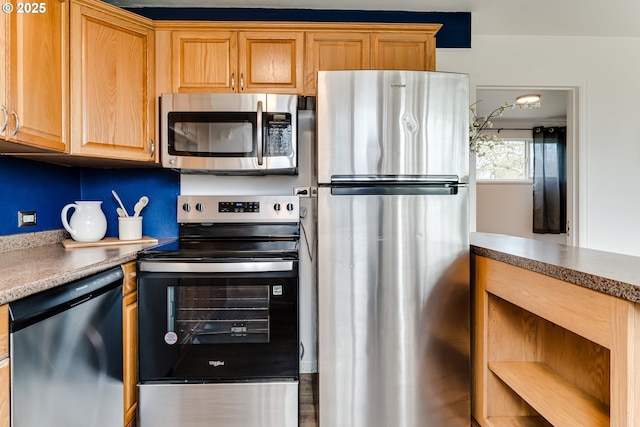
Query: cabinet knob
152,148
233,82
241,82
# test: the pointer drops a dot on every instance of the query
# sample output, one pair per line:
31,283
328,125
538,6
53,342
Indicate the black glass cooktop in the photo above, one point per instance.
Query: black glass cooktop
222,249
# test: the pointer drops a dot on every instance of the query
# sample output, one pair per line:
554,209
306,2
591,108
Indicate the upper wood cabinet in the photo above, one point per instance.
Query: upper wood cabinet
34,81
204,61
236,61
369,46
112,83
282,57
329,50
403,51
271,61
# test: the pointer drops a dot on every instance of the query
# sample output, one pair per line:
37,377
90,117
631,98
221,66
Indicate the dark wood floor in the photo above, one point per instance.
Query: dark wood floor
309,401
308,415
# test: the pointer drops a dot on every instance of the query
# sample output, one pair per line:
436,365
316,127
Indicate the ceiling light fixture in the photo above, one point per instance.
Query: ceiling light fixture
528,99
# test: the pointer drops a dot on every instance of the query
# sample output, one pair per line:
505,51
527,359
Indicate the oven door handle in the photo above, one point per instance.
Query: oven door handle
219,267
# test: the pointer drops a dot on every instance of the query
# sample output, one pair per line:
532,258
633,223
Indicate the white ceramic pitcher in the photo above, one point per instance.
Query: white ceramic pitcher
87,223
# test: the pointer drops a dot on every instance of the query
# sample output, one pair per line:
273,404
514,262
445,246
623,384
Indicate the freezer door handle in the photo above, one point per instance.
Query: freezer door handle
384,190
394,179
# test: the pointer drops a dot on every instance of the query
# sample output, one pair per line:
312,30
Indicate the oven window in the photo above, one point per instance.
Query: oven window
212,134
219,315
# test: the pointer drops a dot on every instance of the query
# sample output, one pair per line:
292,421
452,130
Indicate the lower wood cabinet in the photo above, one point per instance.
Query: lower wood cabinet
551,353
5,377
130,344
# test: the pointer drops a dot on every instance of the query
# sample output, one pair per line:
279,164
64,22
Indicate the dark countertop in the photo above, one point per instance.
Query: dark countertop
606,272
31,269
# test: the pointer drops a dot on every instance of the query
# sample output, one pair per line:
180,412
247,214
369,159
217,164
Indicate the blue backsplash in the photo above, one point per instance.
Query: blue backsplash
36,186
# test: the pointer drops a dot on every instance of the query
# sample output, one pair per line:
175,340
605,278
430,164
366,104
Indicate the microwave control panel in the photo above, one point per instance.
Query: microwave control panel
279,135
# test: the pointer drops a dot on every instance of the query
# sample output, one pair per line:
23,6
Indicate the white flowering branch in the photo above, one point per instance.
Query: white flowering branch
481,141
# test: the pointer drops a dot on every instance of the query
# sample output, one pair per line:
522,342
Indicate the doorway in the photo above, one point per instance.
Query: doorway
505,206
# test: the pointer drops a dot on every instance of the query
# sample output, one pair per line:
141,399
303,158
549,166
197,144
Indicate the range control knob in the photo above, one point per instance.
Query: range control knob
289,207
277,207
200,207
186,207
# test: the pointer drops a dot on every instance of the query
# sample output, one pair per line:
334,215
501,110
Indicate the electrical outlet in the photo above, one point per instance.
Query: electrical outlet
301,191
26,218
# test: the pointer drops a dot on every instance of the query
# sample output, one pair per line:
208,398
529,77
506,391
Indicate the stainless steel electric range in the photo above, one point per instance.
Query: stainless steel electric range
218,316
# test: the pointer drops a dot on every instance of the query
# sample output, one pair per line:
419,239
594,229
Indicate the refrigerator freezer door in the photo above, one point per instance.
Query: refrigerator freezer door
393,310
391,122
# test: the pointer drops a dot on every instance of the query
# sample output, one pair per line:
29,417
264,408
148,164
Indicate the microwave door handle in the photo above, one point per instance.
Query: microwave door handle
259,138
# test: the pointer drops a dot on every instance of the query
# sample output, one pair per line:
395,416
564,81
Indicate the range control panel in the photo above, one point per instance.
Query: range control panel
213,209
238,206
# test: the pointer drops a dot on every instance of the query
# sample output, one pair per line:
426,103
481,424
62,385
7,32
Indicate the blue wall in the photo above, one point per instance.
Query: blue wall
162,186
46,189
32,186
455,31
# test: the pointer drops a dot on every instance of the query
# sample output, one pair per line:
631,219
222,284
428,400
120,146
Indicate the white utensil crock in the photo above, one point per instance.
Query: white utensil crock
87,223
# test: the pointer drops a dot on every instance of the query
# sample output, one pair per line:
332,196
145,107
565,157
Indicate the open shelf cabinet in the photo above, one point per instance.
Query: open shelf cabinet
543,388
551,353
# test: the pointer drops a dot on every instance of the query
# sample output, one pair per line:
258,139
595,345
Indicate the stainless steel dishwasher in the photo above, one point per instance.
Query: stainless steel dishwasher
66,355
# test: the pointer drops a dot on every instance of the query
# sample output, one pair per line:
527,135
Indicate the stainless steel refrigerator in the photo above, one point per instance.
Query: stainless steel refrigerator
393,249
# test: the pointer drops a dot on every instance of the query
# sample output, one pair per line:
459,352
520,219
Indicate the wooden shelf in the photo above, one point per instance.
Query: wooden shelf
556,399
518,422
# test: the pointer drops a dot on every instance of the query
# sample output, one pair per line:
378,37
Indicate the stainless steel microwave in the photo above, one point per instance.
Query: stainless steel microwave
230,134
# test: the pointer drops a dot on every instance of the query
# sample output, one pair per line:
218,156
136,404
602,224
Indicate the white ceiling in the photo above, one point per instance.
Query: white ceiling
553,104
489,17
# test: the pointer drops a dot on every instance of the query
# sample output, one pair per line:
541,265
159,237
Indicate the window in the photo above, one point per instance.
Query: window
509,160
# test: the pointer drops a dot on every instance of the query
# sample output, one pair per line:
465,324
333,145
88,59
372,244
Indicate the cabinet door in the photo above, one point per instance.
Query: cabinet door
403,51
112,95
130,355
334,51
204,61
4,70
270,61
5,385
37,98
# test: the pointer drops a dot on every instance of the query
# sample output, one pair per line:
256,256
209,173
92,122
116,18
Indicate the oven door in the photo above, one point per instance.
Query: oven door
217,322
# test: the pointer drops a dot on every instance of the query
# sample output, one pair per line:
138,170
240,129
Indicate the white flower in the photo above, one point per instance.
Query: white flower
479,142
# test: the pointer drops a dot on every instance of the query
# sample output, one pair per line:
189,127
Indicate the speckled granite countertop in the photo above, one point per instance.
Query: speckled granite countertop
607,272
37,261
